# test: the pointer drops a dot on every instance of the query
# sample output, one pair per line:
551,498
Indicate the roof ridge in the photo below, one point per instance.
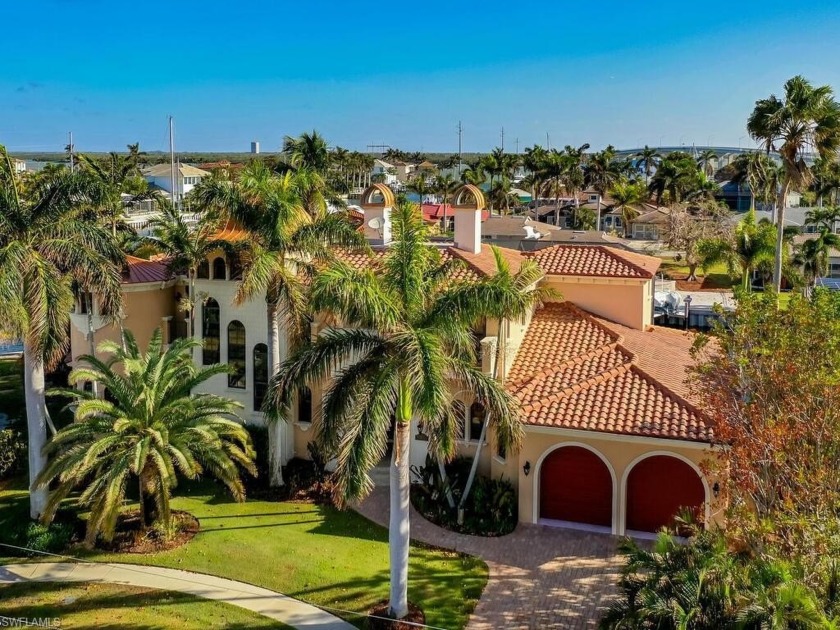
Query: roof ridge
622,256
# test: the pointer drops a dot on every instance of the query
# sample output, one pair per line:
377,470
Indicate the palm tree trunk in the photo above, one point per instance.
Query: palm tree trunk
276,430
399,521
780,236
36,422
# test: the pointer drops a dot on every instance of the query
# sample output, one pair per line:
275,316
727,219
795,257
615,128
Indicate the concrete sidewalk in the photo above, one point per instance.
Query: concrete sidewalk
260,600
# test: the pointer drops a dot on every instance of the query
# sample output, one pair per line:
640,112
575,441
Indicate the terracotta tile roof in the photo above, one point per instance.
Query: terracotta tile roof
595,260
139,270
576,371
231,232
474,265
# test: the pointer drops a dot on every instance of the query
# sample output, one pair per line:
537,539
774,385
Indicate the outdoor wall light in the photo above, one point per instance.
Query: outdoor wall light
716,489
527,468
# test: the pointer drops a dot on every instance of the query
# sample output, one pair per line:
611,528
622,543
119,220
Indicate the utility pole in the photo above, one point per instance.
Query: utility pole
517,146
71,149
503,139
460,132
172,166
547,142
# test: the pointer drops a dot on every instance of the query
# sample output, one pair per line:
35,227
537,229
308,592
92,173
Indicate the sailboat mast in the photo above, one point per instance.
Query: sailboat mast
172,164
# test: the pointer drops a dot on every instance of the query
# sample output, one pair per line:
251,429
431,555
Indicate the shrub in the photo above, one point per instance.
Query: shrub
12,452
490,510
36,538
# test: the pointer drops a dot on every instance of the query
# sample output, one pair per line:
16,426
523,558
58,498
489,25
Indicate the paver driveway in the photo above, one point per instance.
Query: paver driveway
540,577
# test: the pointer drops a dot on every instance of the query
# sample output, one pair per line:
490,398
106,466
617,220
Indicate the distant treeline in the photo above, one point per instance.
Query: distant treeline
160,157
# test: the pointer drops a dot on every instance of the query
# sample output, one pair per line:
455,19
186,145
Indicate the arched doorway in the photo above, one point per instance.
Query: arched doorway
576,486
658,487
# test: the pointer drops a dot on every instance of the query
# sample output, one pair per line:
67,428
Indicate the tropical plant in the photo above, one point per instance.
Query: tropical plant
601,171
647,160
806,121
679,176
813,254
420,187
410,344
284,243
116,175
706,161
628,197
150,429
186,247
308,150
751,244
473,175
445,186
48,240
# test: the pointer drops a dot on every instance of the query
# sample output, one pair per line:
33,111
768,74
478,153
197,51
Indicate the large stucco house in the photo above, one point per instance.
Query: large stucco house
613,441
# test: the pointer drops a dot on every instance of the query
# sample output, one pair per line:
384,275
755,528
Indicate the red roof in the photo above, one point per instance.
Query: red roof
434,212
140,270
595,260
576,371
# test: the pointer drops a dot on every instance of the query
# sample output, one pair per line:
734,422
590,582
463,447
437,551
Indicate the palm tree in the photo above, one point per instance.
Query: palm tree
501,194
48,239
186,247
474,175
806,122
284,244
117,441
309,150
647,160
752,245
814,254
706,161
627,196
600,172
419,186
445,186
410,343
116,175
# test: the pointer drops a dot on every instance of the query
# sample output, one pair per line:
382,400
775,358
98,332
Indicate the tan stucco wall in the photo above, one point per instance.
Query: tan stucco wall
621,454
626,302
145,307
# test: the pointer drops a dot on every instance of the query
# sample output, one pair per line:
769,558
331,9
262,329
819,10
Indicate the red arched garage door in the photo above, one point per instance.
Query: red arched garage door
657,488
576,486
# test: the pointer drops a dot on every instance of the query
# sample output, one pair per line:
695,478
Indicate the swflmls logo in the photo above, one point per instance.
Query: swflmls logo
30,622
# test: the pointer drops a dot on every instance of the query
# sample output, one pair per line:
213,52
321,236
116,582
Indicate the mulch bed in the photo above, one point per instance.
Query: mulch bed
415,615
130,539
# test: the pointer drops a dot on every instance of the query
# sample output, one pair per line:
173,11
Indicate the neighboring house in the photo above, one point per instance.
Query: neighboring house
383,172
18,166
738,196
613,440
186,178
650,225
404,171
524,234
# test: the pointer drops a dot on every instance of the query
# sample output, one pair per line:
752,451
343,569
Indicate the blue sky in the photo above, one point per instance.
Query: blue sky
401,74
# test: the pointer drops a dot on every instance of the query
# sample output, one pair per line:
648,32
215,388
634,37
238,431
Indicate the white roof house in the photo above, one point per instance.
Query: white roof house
160,176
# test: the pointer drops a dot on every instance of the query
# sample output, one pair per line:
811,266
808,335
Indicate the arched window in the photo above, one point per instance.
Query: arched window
459,410
236,355
260,374
476,420
219,270
203,271
304,405
210,332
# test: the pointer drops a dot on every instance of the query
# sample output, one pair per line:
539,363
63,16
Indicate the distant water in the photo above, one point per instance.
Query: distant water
10,346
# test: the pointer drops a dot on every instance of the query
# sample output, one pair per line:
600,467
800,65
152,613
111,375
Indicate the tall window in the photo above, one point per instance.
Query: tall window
459,410
203,269
476,420
210,332
219,272
260,374
236,355
304,405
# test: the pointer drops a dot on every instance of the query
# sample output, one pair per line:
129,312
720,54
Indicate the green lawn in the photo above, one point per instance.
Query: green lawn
716,276
113,606
315,553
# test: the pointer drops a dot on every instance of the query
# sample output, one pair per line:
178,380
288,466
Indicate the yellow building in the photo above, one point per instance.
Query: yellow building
613,441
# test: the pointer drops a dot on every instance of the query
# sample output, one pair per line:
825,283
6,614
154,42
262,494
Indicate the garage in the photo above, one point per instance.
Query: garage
576,487
658,487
